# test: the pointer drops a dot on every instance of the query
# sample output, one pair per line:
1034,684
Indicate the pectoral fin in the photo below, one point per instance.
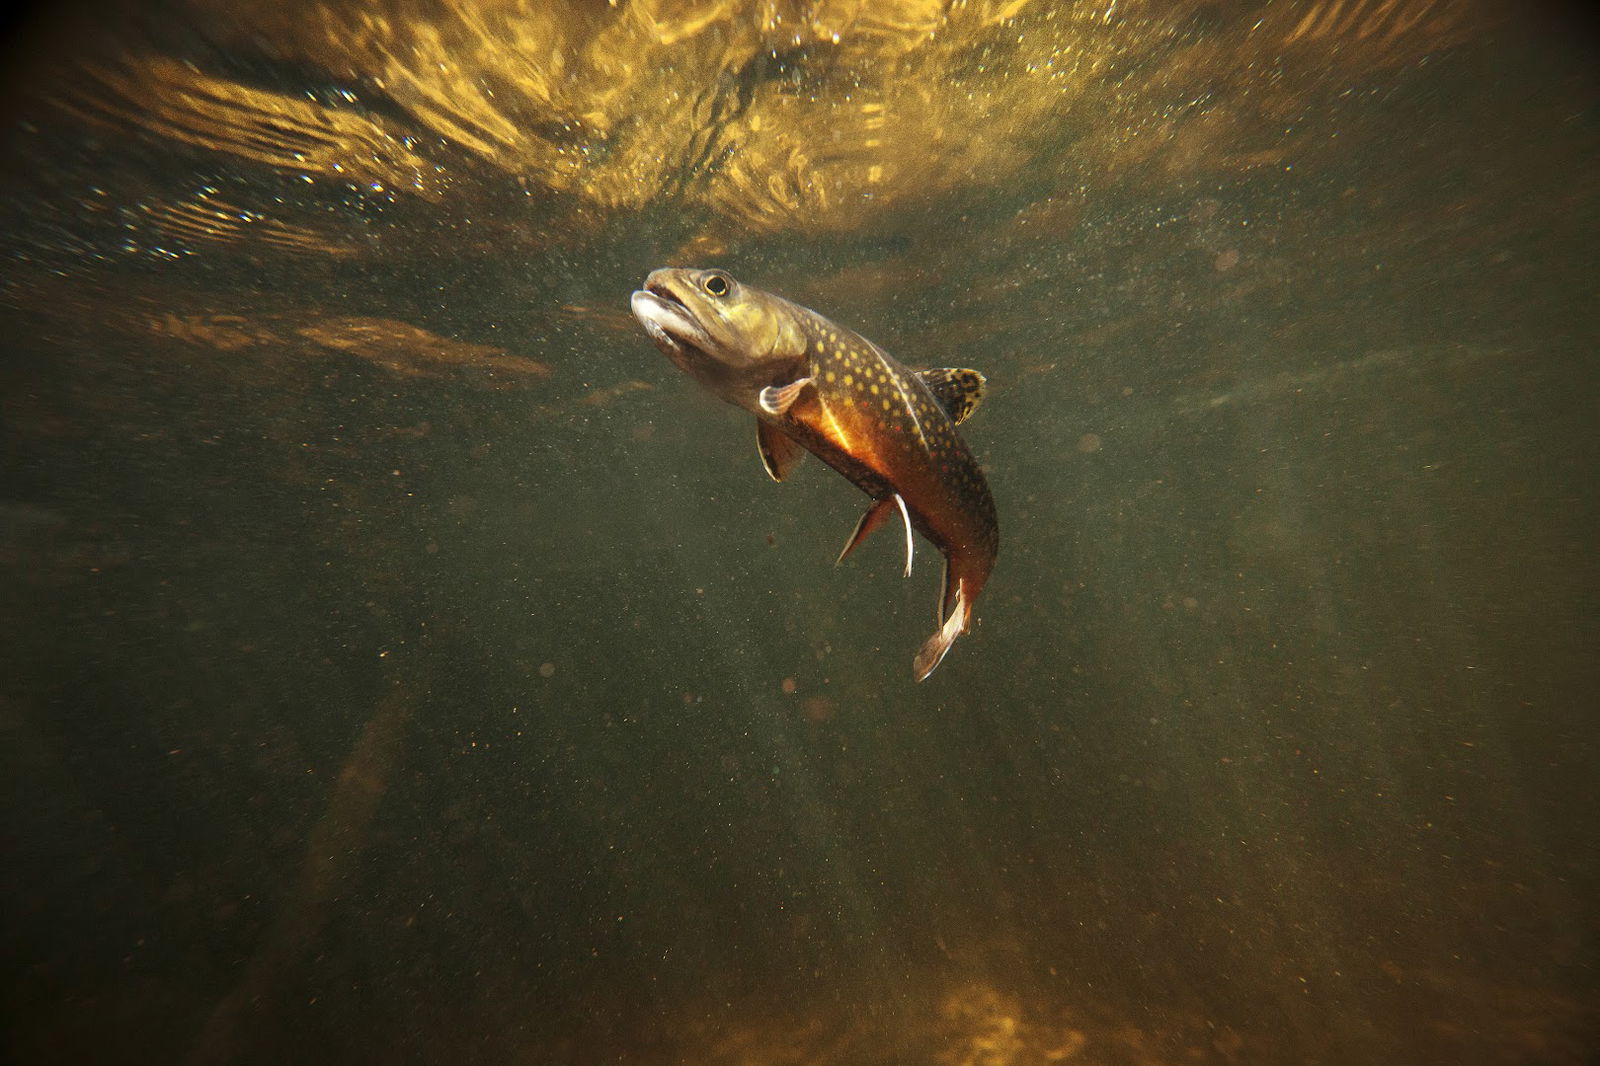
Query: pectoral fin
780,453
776,400
873,519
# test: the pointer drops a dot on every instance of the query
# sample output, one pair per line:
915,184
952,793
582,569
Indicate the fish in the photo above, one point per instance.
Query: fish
815,386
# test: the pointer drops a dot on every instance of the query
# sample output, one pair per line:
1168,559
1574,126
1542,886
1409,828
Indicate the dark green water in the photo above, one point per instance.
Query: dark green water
404,663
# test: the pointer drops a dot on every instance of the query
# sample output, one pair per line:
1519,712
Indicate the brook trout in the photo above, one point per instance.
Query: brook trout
817,387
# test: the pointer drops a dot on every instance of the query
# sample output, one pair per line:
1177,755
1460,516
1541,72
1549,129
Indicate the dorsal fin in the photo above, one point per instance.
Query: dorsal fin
958,390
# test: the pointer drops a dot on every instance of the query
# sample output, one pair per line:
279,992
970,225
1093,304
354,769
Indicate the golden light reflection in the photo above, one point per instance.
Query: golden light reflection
289,133
975,1022
208,217
764,117
398,347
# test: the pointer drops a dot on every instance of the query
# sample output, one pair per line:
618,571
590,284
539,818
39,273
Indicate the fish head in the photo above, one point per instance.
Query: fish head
723,333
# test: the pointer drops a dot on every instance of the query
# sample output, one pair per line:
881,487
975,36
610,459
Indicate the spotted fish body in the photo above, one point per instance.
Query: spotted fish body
817,387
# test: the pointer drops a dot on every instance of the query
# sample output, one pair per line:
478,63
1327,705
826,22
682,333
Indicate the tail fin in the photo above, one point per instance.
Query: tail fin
933,650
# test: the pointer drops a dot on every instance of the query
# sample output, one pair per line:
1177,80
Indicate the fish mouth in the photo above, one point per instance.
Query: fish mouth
668,321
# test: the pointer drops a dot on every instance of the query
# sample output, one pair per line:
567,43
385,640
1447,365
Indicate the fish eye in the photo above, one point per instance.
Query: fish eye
716,284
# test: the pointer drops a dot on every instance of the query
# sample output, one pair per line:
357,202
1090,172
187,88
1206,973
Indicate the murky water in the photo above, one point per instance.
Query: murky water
405,663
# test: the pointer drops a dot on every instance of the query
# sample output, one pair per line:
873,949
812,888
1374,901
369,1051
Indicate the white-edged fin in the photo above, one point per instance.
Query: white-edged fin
869,521
905,516
941,610
777,401
780,453
933,650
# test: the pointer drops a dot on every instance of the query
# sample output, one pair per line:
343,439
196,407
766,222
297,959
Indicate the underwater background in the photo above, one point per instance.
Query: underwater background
404,662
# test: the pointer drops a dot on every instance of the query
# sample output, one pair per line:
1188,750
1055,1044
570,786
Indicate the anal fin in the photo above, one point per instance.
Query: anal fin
934,648
780,453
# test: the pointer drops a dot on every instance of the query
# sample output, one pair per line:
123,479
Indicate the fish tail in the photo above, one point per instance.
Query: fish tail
934,648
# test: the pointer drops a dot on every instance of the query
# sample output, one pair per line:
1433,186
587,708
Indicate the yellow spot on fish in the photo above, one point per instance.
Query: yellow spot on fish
874,390
829,376
849,381
885,403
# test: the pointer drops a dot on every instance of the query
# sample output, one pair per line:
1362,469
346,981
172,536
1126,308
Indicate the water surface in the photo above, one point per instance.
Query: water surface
404,662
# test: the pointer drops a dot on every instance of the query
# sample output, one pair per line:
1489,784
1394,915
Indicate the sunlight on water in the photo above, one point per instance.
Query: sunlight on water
773,116
406,663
